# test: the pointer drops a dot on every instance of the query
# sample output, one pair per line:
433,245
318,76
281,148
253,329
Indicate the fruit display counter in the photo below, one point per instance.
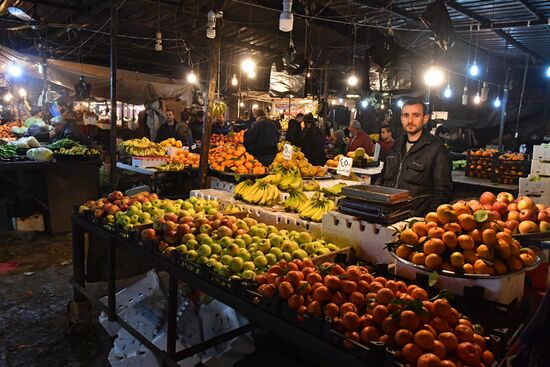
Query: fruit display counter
282,281
51,186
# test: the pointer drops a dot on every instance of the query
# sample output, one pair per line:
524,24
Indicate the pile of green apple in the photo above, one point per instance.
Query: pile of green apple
232,247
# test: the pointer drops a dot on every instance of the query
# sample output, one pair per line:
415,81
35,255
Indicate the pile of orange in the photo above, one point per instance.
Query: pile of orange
228,157
187,158
235,138
369,309
457,240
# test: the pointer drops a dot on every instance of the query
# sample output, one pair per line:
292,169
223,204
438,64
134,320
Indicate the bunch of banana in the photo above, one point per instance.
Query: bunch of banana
274,178
290,179
316,207
295,200
171,167
335,190
218,109
141,148
242,187
311,185
261,193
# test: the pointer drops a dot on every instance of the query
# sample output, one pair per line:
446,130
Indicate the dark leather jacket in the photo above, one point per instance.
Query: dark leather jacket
425,170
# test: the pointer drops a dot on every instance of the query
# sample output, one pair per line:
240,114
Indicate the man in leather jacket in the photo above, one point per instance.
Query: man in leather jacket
418,162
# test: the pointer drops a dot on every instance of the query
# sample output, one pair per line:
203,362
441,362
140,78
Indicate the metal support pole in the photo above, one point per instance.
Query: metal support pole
79,266
44,81
111,279
113,91
207,126
503,109
172,315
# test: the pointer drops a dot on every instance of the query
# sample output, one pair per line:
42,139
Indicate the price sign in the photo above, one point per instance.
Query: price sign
287,152
376,152
440,115
194,146
344,166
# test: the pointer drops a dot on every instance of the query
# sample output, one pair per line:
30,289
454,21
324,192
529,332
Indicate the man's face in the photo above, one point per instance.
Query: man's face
413,118
170,117
352,130
300,118
385,134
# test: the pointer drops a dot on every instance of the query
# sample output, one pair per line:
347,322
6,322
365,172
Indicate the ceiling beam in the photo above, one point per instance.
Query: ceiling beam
502,34
53,4
532,9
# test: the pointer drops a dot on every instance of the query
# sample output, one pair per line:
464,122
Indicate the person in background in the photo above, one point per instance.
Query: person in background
294,130
418,162
196,126
338,143
359,139
312,142
243,123
443,133
261,139
183,130
386,141
220,126
63,130
168,129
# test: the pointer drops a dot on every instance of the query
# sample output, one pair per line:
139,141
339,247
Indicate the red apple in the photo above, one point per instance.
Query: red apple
526,203
505,197
513,215
113,209
495,215
171,217
183,229
106,206
487,198
540,206
169,226
544,226
512,225
98,213
528,227
527,215
474,205
172,237
115,195
148,234
500,207
543,216
487,206
513,207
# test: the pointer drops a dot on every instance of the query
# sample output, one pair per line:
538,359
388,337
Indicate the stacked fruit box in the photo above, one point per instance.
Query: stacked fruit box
509,167
479,163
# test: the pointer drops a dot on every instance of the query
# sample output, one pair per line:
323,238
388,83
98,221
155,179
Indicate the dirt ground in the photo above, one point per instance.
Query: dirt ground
34,292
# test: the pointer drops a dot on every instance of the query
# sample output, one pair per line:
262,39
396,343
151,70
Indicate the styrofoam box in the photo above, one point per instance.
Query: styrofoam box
32,223
540,168
539,191
541,152
368,239
145,162
503,290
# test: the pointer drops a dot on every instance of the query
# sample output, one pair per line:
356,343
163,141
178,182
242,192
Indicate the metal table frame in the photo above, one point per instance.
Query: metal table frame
257,316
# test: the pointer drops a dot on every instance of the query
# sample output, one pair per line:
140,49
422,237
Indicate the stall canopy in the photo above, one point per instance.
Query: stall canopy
132,87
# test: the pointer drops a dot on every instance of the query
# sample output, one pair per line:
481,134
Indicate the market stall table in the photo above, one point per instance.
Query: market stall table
54,186
475,186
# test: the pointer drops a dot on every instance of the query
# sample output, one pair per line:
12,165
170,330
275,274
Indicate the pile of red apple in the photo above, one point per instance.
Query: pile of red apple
521,215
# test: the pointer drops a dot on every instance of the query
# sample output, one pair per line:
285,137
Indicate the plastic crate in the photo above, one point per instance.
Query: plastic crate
507,171
478,166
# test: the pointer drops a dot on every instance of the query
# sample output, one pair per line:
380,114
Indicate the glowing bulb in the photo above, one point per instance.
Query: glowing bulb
465,97
308,74
474,69
333,102
447,93
400,103
477,99
234,81
341,100
41,68
548,72
15,70
364,103
248,65
241,104
382,105
22,92
255,106
433,77
497,102
252,74
191,77
352,80
8,97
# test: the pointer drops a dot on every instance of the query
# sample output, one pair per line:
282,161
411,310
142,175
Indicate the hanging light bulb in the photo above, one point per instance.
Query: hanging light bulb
15,70
234,80
382,105
241,104
191,77
474,69
497,102
255,106
340,100
333,102
364,103
22,92
477,98
248,65
447,93
433,77
484,92
252,74
352,80
465,96
308,74
400,103
286,19
353,109
8,97
548,72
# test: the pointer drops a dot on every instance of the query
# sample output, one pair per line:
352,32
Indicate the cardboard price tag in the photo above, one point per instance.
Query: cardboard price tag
344,166
287,152
376,152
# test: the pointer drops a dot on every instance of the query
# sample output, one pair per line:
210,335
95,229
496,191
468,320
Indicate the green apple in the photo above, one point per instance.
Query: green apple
289,246
186,205
205,228
236,264
252,247
256,254
224,271
110,219
210,262
272,229
192,212
215,257
287,256
240,242
217,266
192,199
264,246
206,241
322,251
187,237
244,254
248,274
147,221
213,203
271,259
299,254
182,249
248,265
128,227
146,206
137,204
241,224
135,219
211,211
277,252
119,215
276,240
192,244
233,249
310,247
157,203
261,232
262,225
205,250
202,260
144,216
247,238
226,241
283,232
226,259
198,206
216,248
133,210
304,237
260,261
332,247
192,255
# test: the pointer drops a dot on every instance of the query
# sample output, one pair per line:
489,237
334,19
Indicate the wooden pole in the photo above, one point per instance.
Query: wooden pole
213,66
113,92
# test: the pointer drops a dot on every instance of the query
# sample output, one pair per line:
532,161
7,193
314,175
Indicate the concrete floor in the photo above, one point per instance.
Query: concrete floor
34,293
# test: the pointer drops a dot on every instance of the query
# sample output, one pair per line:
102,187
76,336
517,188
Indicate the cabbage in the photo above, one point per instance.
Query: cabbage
19,130
40,154
29,142
34,121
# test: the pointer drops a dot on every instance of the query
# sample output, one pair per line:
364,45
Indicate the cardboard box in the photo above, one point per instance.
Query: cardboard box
539,191
146,162
31,223
541,152
541,168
